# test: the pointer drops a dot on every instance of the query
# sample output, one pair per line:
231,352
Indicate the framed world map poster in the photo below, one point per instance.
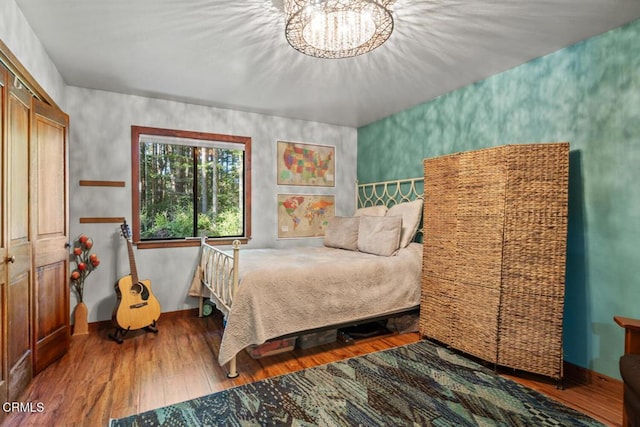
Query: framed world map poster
306,164
304,215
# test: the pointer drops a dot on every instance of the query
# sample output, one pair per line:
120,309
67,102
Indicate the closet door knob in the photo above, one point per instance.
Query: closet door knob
11,259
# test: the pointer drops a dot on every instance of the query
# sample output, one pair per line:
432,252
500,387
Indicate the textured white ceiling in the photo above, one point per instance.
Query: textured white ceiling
233,54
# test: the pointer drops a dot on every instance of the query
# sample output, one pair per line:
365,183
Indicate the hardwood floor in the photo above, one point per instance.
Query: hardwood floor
99,379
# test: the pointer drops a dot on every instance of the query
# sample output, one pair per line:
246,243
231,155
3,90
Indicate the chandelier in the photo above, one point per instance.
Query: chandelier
337,28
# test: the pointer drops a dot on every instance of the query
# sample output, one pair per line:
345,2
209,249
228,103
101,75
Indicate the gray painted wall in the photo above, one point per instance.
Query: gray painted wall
17,34
100,149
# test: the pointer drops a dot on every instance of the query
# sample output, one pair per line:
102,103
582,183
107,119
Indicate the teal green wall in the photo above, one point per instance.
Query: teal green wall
589,95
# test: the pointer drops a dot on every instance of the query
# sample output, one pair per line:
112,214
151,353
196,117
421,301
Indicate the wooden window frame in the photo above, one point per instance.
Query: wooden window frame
136,131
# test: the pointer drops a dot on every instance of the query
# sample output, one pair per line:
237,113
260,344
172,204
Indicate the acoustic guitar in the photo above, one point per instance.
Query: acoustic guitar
137,307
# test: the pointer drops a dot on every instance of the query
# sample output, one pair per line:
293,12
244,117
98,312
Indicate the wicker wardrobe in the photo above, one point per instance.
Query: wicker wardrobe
495,227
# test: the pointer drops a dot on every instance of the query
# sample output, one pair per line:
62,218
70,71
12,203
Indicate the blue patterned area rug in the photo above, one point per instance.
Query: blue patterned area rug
418,384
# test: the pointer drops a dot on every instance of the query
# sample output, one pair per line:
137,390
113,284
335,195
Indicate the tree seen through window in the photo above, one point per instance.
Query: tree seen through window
190,187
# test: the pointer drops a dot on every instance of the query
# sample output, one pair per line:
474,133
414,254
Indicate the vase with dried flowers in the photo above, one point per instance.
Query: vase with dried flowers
86,262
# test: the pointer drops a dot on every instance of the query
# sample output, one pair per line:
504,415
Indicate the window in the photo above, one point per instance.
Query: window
189,184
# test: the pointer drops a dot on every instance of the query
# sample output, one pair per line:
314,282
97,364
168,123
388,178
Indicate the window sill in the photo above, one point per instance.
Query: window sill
155,244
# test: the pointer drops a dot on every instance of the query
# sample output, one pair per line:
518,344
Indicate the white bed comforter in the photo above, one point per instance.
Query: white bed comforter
283,291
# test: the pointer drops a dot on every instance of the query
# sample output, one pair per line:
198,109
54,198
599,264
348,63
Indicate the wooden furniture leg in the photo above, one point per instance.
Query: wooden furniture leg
631,345
233,368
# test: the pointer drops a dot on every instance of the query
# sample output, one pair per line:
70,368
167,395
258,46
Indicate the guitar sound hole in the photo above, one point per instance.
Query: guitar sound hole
140,289
145,292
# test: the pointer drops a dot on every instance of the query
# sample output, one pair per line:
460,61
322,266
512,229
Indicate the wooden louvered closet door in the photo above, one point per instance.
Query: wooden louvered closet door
4,76
50,234
34,257
18,303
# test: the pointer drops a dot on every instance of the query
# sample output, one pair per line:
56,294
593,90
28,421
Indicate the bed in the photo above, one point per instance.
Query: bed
368,268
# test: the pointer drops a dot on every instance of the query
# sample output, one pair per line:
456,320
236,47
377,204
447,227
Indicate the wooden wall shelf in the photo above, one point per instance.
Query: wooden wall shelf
93,183
101,220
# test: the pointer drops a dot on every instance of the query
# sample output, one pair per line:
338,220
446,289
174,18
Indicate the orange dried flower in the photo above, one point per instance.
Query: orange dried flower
85,264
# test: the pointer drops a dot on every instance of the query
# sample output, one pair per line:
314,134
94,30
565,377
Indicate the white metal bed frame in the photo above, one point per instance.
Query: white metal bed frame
388,193
219,269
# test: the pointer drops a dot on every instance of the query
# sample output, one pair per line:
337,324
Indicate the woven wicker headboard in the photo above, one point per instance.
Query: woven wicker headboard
390,193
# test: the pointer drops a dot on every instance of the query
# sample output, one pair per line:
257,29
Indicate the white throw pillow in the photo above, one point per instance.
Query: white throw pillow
411,212
379,210
379,235
342,233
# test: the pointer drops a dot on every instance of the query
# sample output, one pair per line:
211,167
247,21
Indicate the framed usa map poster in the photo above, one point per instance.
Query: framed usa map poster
304,215
306,164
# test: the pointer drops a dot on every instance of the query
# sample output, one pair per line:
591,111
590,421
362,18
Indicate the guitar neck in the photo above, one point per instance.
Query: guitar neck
132,262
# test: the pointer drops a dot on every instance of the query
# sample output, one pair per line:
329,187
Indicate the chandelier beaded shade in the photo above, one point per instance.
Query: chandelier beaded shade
337,28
